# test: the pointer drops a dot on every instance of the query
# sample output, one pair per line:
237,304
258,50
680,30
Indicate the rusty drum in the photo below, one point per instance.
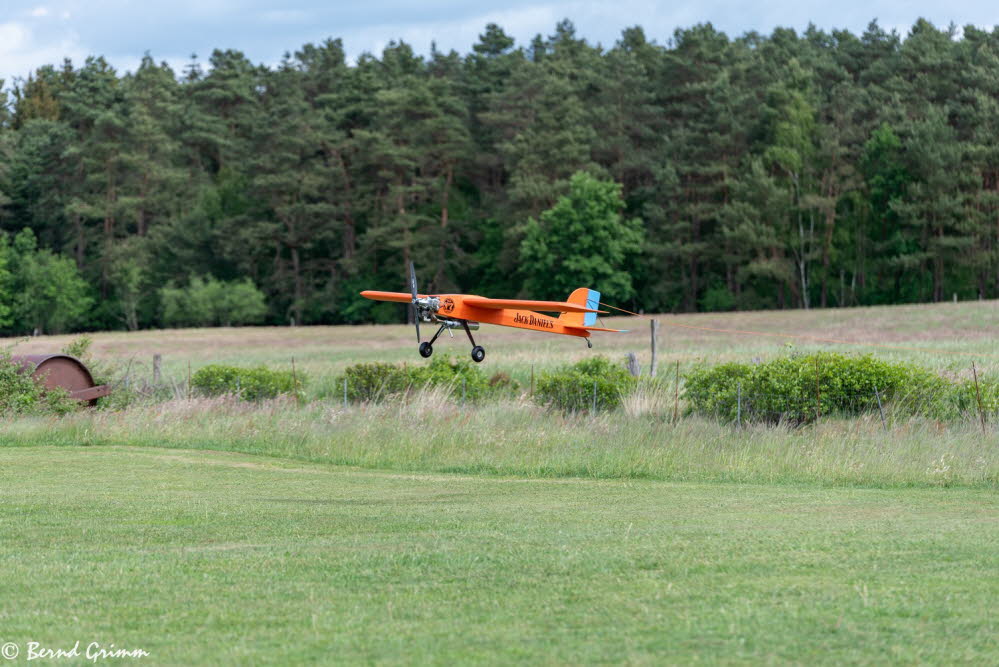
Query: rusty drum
62,370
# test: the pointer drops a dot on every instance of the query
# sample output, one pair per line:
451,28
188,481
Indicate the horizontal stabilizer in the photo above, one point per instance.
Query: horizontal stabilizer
551,306
598,329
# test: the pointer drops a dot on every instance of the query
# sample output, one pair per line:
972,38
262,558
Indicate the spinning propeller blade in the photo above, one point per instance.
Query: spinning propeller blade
412,288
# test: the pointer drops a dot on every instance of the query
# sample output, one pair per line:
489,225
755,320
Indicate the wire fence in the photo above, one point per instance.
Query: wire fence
665,396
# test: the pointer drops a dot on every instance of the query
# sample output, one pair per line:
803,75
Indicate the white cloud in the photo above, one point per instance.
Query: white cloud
21,52
13,38
39,12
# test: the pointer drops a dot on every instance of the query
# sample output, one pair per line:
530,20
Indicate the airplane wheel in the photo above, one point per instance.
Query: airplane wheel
426,349
478,353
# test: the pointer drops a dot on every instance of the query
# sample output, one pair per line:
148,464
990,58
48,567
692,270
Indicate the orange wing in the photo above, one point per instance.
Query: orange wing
500,304
401,297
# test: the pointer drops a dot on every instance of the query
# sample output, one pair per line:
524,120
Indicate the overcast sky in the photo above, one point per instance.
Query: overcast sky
38,32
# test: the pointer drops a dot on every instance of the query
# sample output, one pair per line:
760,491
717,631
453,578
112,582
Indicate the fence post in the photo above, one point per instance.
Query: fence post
655,334
189,379
978,393
463,388
345,392
633,368
532,380
881,410
157,362
676,394
594,397
738,409
818,395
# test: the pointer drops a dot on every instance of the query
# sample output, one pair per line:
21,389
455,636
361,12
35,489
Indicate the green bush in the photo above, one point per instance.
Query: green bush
375,381
570,388
461,374
795,389
251,384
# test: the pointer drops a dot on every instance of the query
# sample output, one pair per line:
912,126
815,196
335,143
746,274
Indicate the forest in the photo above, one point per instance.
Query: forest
690,172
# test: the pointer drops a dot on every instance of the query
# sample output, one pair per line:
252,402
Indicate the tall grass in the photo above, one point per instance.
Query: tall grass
430,431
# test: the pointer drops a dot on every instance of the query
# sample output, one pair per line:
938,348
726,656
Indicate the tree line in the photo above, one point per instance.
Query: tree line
790,170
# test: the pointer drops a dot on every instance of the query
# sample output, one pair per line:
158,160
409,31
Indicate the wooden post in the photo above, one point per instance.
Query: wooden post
738,409
532,379
157,363
654,324
594,397
633,367
464,387
978,393
881,410
188,379
676,394
344,392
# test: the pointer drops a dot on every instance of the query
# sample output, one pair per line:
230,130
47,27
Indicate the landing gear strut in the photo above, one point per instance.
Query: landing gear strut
478,352
427,347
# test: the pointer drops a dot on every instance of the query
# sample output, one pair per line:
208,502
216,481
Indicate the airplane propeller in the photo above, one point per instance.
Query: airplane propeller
415,305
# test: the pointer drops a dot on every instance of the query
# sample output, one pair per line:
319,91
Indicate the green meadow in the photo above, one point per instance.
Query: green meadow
421,530
203,557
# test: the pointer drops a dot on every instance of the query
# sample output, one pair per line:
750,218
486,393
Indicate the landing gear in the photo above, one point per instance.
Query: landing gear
478,352
589,344
427,347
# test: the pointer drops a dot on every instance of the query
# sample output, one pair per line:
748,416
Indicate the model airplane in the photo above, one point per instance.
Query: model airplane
466,311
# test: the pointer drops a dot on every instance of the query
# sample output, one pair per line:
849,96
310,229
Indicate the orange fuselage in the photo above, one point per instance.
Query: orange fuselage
453,306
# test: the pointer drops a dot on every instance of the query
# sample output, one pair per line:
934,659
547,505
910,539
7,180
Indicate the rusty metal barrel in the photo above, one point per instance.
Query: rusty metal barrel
62,370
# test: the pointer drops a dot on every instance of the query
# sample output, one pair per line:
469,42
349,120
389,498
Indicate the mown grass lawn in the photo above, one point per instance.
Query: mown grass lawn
209,557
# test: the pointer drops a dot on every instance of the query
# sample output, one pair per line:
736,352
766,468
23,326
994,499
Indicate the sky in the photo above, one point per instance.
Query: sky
39,32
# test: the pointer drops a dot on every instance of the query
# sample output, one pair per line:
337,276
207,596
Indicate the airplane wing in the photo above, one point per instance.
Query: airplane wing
550,306
401,297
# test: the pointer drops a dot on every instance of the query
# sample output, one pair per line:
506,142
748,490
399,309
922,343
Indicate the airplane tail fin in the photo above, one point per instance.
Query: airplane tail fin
584,296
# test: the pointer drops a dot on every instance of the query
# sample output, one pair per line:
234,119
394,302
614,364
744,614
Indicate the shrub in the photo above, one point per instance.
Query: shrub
370,382
460,374
792,389
571,388
79,347
251,384
375,381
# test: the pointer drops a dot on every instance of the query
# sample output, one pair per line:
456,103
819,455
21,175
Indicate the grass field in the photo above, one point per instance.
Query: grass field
944,336
204,557
423,531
